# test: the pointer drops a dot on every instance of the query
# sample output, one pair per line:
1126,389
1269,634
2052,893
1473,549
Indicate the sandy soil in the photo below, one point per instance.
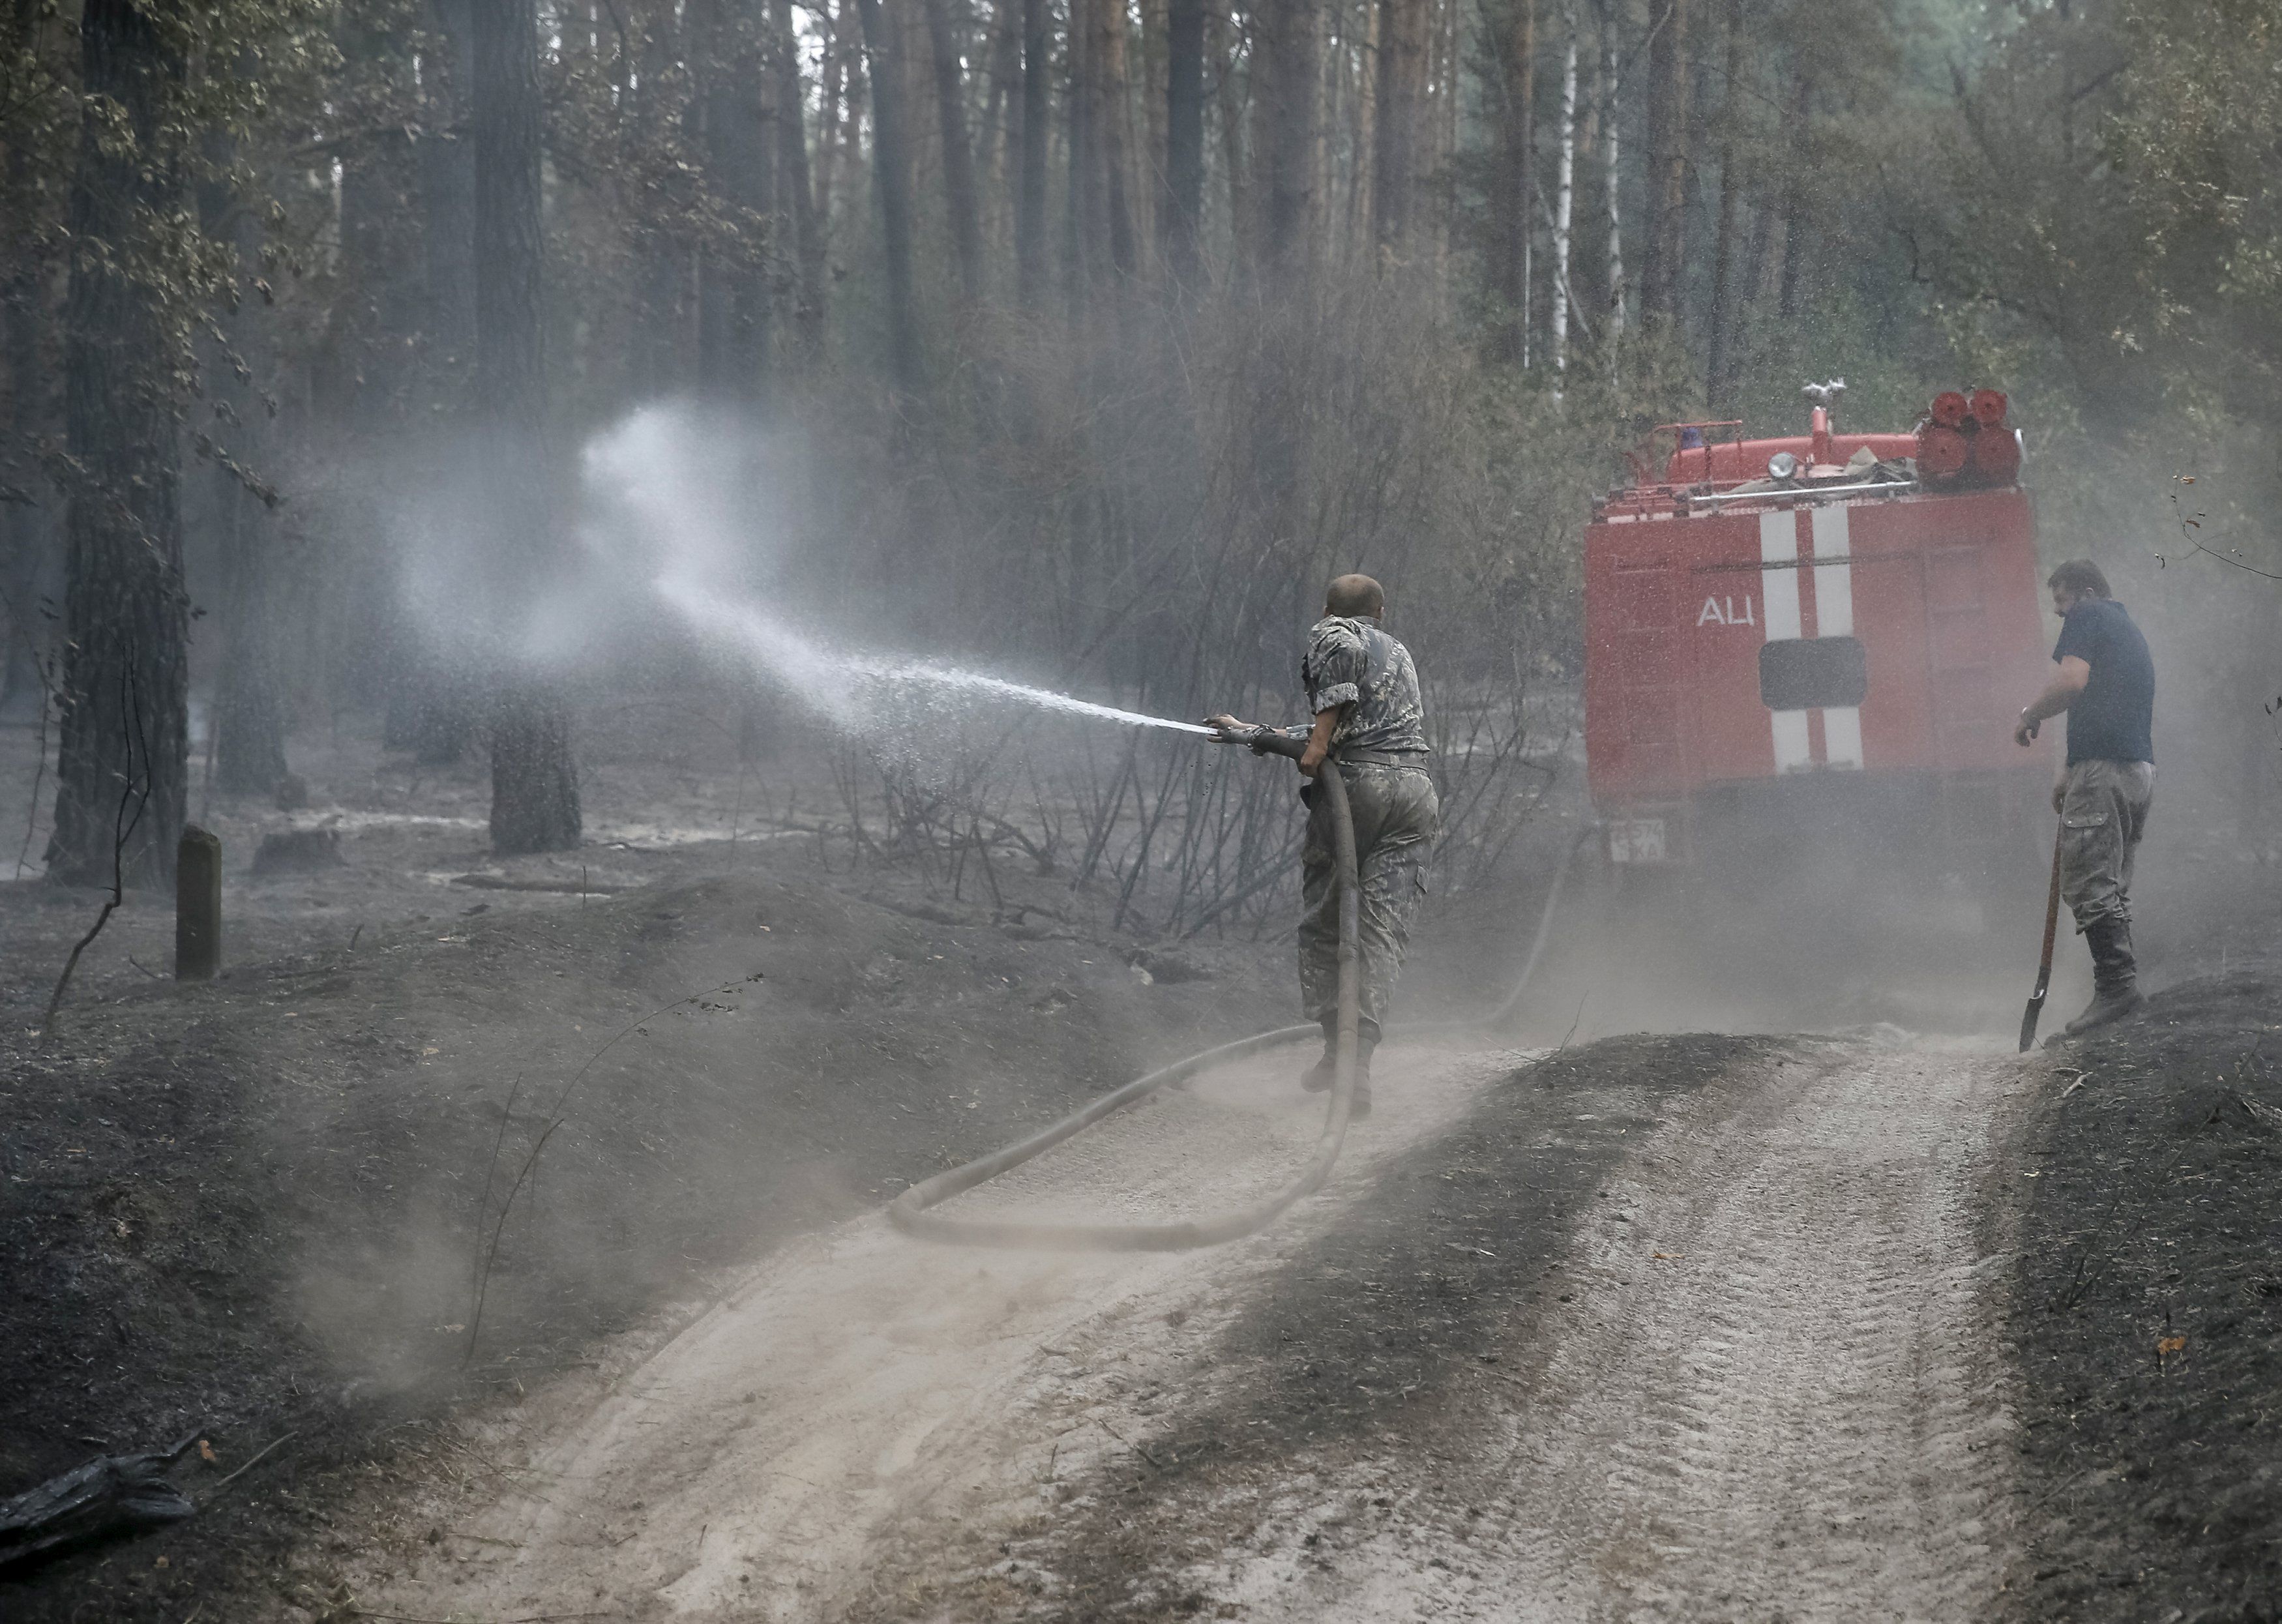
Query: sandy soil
1761,1397
1764,1398
861,1388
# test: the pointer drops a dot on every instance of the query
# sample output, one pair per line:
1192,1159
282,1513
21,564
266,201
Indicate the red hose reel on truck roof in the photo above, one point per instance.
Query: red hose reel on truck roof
1964,438
1859,612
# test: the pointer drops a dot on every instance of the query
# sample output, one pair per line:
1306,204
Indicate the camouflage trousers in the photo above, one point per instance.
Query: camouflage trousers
2103,812
1396,817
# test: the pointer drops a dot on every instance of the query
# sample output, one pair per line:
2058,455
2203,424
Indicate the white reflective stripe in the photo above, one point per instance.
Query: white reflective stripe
1834,583
1778,544
1793,752
1779,591
1841,736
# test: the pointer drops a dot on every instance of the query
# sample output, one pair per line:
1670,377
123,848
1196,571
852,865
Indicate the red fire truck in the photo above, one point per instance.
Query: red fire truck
1807,651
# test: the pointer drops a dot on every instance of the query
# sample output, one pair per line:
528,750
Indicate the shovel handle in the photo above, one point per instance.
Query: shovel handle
2052,902
2035,1008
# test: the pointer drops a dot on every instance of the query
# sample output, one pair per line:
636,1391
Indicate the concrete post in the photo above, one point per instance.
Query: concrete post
197,906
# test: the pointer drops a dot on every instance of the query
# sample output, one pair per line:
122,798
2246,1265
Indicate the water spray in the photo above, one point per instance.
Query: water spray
856,689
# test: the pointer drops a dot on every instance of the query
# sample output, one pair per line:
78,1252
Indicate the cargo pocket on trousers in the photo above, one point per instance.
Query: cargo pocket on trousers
2084,820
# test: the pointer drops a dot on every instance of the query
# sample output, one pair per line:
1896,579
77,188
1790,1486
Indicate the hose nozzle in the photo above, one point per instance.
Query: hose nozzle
1263,741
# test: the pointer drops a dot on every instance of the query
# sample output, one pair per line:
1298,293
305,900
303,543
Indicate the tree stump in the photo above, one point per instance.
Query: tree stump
197,906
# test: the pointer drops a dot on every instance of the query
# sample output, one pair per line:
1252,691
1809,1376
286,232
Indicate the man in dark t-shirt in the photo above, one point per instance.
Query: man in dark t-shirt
2106,685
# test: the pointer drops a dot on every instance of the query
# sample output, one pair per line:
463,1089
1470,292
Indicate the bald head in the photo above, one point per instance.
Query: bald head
1355,597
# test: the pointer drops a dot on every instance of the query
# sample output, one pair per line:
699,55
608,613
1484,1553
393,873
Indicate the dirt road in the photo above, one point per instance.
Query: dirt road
1753,1387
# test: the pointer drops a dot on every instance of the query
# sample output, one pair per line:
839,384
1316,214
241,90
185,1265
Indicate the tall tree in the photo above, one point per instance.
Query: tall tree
448,184
1105,63
733,345
1564,198
431,700
249,709
1612,173
1180,212
1285,89
1666,223
964,205
891,179
23,520
1030,185
796,186
534,777
1513,179
1801,167
123,762
1720,341
1400,92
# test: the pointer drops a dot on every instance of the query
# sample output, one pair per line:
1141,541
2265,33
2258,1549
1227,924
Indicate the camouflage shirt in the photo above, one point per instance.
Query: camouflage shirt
1389,717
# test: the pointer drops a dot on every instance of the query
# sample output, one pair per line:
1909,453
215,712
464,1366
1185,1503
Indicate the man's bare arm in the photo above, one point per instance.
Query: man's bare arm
2058,695
1319,741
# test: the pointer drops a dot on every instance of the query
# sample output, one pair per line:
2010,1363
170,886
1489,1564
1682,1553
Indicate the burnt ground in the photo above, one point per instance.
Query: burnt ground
250,1210
2147,1314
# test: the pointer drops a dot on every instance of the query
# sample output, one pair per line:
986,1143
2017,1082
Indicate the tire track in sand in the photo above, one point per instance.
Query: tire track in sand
1776,1394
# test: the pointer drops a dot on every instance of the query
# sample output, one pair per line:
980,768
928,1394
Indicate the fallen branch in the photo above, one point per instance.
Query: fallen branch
113,1494
568,888
256,1461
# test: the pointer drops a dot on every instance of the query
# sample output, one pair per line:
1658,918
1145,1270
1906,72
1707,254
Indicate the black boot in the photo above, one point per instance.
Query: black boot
1319,1077
1366,1042
2114,976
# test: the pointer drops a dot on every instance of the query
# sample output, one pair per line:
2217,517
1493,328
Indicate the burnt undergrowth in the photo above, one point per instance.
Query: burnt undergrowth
2147,1313
248,1209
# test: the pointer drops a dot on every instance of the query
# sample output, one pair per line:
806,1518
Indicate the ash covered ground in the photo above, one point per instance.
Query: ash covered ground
1899,1316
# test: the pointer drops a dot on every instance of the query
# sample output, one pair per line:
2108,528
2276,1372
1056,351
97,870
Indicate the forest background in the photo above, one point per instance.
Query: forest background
1080,337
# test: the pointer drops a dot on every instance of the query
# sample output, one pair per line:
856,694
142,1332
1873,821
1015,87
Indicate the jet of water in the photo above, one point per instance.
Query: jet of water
856,689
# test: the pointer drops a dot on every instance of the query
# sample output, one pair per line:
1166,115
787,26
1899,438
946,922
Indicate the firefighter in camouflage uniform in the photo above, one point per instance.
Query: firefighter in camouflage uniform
1362,689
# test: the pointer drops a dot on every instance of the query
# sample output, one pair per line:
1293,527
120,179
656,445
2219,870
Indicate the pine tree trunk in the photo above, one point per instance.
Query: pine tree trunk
1284,93
1030,188
249,709
381,264
1220,46
1564,201
431,696
891,172
1795,197
1667,159
960,196
1512,188
1398,97
734,285
836,93
1111,106
1181,214
1718,385
1612,179
122,758
448,184
1082,112
534,780
1001,109
797,187
24,528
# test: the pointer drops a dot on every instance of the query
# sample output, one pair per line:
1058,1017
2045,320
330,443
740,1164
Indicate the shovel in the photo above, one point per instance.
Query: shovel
2029,1016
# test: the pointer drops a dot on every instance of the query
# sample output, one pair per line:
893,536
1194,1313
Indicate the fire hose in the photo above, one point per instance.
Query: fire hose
911,1213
